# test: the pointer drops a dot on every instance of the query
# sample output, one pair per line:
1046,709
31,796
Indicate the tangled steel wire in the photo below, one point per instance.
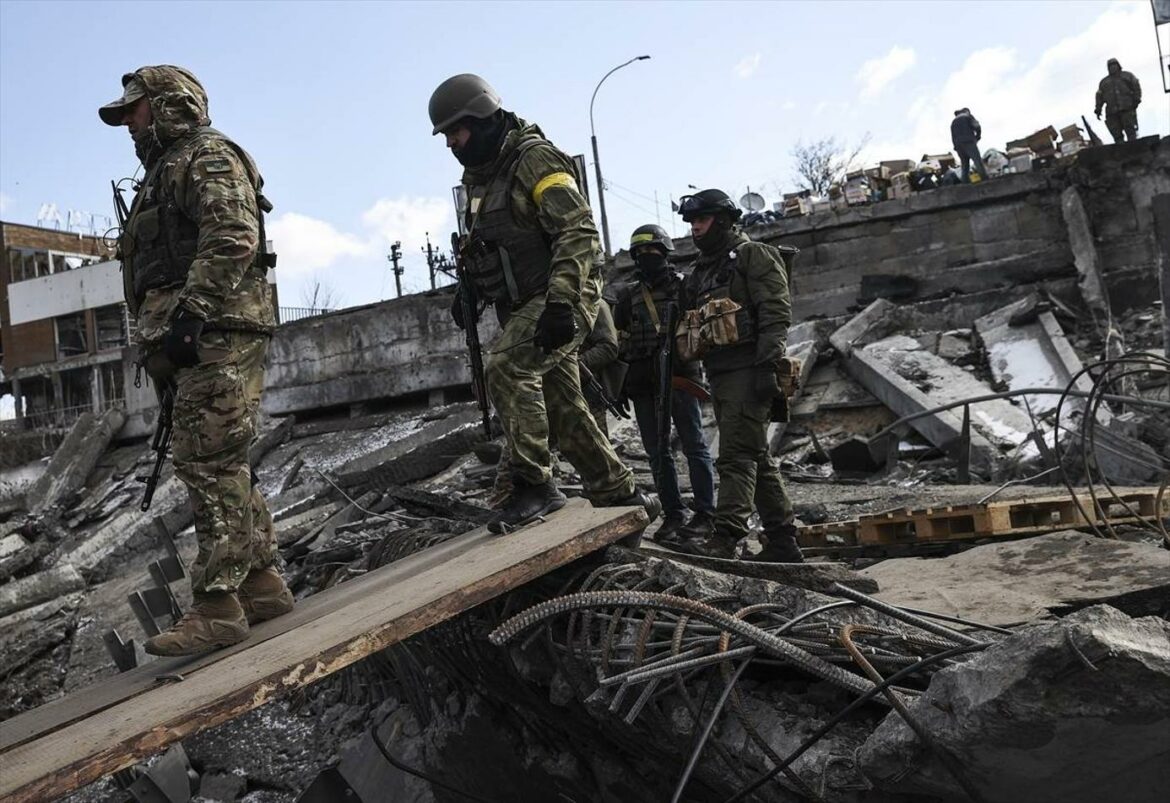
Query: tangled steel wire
1109,380
645,644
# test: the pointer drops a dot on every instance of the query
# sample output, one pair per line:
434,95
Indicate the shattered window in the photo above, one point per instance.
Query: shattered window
71,335
111,327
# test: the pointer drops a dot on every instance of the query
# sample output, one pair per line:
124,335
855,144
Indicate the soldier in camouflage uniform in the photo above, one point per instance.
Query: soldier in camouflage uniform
1120,93
744,376
194,271
531,251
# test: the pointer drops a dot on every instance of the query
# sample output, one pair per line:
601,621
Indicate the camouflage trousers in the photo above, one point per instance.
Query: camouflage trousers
217,404
534,393
748,476
502,487
1122,125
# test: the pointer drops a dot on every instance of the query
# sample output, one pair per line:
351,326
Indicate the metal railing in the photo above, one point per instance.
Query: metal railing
289,314
55,418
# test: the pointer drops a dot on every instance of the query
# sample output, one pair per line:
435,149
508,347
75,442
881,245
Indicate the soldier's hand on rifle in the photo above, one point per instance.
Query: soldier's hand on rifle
555,327
765,385
622,403
457,309
181,344
1098,113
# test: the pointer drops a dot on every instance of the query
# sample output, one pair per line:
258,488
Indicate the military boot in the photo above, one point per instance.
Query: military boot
264,595
527,503
215,620
701,525
715,545
648,502
780,545
668,532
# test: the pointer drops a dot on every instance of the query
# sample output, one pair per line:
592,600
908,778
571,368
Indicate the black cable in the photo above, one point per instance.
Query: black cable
846,711
419,773
694,759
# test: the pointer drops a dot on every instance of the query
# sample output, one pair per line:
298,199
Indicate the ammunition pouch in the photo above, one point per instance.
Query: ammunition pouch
788,375
688,343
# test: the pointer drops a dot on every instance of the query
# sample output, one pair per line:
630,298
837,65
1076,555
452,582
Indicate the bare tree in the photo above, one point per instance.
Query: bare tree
824,162
320,296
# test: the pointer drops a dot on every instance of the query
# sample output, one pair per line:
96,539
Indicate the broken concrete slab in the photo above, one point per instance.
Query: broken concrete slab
1017,581
29,591
426,451
1027,348
1077,709
74,459
910,379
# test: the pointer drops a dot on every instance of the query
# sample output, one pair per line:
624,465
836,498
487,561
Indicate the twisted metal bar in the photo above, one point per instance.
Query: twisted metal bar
645,599
901,615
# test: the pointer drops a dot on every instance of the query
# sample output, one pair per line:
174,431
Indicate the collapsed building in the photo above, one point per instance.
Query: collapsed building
979,456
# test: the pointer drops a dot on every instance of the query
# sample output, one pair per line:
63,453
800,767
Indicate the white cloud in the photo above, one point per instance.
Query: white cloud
748,65
876,74
5,202
1013,97
788,105
306,244
409,220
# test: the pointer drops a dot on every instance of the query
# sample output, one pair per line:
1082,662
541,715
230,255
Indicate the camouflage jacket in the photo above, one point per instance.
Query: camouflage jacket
214,187
545,194
1119,93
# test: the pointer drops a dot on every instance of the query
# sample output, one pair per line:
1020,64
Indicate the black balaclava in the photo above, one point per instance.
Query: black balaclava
651,263
717,237
487,136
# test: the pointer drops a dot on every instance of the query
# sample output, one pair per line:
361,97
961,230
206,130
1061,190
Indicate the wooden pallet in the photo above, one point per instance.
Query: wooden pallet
1012,518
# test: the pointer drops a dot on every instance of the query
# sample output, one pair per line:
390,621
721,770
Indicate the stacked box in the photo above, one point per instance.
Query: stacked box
857,191
1019,160
900,185
893,167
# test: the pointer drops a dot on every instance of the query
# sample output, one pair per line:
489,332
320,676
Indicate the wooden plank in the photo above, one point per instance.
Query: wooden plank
394,603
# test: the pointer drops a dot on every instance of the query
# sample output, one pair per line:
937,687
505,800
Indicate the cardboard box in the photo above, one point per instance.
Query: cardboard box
1071,133
1041,143
1069,147
821,205
945,160
893,167
1020,163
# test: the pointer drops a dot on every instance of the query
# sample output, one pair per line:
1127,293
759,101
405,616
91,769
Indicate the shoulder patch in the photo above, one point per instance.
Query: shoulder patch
213,166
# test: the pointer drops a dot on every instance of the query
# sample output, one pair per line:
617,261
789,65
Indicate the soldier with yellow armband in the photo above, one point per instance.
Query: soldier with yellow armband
531,251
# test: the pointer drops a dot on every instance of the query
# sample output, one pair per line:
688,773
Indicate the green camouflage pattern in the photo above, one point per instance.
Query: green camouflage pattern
748,475
563,213
217,406
215,187
1121,125
535,393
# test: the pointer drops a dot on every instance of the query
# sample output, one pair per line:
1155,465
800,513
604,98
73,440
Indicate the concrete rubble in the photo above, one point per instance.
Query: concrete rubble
1049,681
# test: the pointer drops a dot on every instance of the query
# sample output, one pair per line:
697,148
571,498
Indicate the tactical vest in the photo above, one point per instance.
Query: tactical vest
643,339
508,262
160,242
712,282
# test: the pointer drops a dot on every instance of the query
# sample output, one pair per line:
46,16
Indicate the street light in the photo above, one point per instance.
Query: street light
597,159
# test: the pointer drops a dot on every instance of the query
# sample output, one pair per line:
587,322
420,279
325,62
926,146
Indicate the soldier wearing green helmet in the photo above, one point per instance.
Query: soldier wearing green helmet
739,290
530,251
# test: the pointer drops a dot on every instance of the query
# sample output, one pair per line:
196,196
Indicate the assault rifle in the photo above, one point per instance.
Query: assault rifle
162,440
595,389
470,308
665,384
121,211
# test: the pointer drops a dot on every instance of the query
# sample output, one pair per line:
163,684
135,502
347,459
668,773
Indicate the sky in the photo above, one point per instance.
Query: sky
330,98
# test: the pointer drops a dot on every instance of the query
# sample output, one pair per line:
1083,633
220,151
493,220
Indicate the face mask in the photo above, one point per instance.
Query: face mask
716,235
486,138
651,264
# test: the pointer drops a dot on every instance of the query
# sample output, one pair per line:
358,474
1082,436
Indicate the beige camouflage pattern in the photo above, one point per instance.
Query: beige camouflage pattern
216,188
217,405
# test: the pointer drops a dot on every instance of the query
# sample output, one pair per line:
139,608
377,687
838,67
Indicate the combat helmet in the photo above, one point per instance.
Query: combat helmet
463,95
708,202
651,235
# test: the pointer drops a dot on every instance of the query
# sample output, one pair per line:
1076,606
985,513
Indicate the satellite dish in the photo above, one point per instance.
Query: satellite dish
752,201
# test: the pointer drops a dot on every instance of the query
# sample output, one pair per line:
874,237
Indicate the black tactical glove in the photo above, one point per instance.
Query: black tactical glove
555,327
181,343
457,310
622,403
764,384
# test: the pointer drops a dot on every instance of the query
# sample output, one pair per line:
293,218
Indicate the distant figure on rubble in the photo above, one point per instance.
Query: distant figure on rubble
195,266
531,250
1120,93
639,314
965,135
738,299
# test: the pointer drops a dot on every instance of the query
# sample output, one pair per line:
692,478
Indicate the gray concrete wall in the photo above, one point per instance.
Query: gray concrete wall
394,348
1002,233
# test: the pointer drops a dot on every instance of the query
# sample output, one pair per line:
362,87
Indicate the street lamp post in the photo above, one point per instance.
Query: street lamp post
597,159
